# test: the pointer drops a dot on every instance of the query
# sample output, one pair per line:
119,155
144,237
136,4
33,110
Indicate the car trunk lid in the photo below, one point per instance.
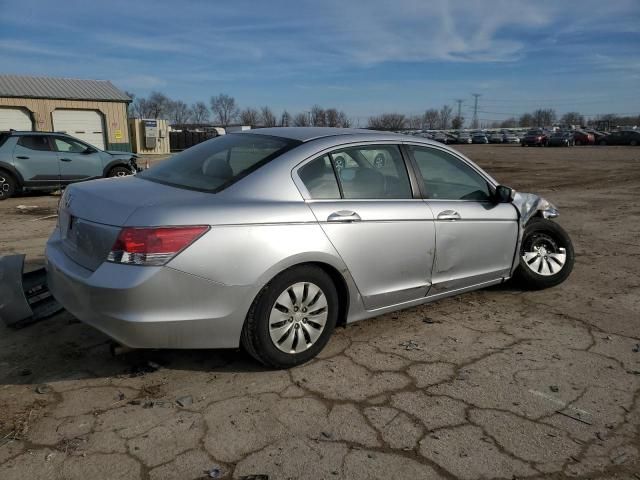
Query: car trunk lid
91,214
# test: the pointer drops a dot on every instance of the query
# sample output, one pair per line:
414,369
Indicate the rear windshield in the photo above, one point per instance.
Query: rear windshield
217,163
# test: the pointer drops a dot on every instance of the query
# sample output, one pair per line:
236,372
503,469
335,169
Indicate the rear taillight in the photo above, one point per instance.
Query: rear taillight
154,245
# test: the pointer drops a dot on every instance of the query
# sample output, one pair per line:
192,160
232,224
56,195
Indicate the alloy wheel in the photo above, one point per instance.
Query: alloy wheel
543,256
298,317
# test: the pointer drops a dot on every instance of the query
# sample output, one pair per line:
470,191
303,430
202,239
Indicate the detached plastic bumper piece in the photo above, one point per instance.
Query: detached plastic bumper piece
24,297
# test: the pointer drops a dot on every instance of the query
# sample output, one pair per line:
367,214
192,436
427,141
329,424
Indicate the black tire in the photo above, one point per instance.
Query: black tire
578,142
119,171
8,185
633,143
255,337
553,238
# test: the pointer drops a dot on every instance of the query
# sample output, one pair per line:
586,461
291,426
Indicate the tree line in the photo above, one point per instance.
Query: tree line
223,110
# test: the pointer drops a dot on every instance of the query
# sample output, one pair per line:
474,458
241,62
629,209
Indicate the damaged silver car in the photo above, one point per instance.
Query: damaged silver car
271,238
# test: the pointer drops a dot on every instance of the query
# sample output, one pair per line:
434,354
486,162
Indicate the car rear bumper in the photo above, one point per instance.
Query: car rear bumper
148,307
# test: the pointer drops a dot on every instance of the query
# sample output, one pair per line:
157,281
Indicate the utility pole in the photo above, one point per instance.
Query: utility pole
459,102
475,109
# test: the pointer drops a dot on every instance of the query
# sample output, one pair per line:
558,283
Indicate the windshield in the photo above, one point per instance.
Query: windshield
217,163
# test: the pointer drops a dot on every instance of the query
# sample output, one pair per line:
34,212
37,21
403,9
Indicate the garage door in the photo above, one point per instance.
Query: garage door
83,124
15,118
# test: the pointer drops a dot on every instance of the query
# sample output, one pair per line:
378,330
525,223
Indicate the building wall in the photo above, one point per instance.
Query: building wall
114,115
136,127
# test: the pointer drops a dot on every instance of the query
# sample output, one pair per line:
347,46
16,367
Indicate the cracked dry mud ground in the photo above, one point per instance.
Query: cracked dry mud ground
499,383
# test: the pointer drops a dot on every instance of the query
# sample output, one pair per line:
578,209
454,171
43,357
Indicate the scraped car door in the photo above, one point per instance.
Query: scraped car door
476,237
362,198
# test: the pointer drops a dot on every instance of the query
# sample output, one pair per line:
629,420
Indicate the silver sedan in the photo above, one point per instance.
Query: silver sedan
271,238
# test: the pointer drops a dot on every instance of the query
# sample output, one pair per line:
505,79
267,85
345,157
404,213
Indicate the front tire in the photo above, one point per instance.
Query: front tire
8,185
119,172
546,255
292,318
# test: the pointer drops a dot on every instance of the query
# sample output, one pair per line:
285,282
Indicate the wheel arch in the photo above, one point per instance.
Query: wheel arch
341,283
11,170
114,163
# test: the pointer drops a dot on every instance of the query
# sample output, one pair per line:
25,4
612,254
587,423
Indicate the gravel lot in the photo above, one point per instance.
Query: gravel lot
496,383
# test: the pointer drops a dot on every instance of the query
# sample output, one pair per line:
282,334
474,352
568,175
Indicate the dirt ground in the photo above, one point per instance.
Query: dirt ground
496,383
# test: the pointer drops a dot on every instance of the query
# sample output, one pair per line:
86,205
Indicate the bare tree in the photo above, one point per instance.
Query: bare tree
431,118
343,120
318,116
445,116
414,121
250,116
457,122
331,116
224,109
267,117
158,105
544,117
285,119
301,120
387,121
199,113
526,120
510,122
155,106
178,112
572,118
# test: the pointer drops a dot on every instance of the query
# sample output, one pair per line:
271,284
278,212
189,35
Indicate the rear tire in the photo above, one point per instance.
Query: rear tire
546,255
119,172
602,142
633,143
292,318
8,185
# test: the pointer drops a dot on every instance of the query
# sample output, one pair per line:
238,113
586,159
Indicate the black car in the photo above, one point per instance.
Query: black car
623,137
561,139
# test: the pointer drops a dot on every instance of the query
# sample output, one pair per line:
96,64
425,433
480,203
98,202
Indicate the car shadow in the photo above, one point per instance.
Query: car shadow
61,349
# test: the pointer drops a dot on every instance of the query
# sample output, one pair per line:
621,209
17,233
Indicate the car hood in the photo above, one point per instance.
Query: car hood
118,153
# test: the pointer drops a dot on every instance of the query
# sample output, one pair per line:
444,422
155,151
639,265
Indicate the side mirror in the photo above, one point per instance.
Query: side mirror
504,194
89,150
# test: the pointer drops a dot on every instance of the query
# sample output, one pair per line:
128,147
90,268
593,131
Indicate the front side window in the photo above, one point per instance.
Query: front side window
447,177
69,146
217,163
35,142
372,172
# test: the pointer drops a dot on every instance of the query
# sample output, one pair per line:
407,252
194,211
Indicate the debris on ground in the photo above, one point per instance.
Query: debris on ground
254,477
184,401
430,320
214,472
410,345
43,389
142,369
554,388
636,349
575,417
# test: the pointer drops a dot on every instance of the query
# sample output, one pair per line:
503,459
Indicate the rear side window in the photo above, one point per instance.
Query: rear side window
35,142
319,178
372,172
219,162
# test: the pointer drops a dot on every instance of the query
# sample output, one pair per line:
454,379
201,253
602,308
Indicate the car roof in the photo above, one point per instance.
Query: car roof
31,132
306,134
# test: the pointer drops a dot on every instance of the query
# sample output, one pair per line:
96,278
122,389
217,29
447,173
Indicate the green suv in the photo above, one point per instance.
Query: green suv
49,161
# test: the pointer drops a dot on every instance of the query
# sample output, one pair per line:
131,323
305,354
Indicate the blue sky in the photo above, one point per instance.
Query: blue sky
364,57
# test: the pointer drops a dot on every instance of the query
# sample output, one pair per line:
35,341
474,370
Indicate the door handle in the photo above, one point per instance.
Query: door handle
345,216
22,157
449,215
65,159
